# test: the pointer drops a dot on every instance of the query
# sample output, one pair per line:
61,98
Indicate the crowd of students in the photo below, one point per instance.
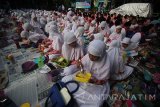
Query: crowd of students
98,41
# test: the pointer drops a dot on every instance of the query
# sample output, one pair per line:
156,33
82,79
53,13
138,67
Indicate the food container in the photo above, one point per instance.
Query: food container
26,105
83,77
61,62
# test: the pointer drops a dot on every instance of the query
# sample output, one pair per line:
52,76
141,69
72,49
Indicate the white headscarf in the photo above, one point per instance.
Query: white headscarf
136,38
24,34
74,27
68,28
53,28
43,21
35,23
35,37
112,29
99,36
33,15
123,31
115,57
31,29
134,41
126,40
99,69
79,32
69,38
68,52
105,26
57,43
53,31
69,15
21,19
95,49
92,28
49,19
27,26
115,35
118,27
48,25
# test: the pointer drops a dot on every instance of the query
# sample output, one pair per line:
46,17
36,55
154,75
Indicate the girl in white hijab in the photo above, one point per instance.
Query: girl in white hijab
25,36
22,20
125,43
92,28
75,24
33,39
79,35
104,29
118,69
134,41
69,15
65,22
43,22
48,25
53,31
28,27
115,35
68,28
56,46
71,50
34,22
36,39
97,63
123,31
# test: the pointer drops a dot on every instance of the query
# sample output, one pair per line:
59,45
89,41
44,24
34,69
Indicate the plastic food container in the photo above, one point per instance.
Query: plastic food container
61,62
83,77
26,105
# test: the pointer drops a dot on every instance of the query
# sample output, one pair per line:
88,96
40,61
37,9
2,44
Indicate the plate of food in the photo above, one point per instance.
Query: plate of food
83,77
61,62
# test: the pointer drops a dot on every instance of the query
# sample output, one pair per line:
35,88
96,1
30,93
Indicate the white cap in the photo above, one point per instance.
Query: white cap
69,38
118,27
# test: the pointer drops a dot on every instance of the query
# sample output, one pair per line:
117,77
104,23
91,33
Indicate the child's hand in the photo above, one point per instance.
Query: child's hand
94,80
74,62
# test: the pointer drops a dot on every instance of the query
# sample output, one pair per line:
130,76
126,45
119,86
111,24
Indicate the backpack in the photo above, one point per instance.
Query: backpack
60,96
